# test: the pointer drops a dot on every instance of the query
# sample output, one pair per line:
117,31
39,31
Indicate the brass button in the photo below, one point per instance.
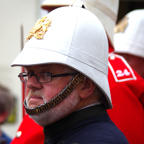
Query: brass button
112,57
18,134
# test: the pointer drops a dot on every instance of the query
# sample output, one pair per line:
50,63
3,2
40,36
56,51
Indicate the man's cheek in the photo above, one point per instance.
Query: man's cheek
26,92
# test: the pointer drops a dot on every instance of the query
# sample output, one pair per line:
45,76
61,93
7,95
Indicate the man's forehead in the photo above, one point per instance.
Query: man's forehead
47,66
38,66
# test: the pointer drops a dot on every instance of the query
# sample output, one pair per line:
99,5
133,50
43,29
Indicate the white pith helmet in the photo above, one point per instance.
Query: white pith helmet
105,10
130,34
75,38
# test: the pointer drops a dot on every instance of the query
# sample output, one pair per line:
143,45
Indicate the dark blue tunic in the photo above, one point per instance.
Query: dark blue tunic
91,125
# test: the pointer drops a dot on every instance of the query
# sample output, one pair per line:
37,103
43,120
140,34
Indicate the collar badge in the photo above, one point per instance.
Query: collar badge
39,29
121,26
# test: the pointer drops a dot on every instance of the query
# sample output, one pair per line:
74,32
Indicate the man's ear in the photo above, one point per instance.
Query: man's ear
87,89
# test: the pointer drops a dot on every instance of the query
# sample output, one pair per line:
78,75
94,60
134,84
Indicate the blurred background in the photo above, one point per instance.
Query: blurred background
17,18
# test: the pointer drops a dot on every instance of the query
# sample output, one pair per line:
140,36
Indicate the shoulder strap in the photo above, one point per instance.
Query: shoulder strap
120,69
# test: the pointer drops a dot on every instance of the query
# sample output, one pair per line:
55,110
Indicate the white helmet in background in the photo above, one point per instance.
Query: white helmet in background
105,10
56,3
129,34
75,38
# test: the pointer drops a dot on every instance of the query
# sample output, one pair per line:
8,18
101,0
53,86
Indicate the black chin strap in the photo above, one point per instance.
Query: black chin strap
57,99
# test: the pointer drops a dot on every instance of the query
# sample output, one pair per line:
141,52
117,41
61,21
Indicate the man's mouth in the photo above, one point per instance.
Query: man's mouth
34,101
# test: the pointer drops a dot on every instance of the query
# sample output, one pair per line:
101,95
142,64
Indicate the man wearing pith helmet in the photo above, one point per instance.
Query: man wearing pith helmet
67,90
129,41
127,88
127,101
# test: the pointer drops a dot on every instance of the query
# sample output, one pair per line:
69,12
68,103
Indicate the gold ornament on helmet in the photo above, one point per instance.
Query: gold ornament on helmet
121,26
40,28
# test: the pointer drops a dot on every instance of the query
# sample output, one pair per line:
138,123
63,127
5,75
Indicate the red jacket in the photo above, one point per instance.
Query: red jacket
127,91
29,133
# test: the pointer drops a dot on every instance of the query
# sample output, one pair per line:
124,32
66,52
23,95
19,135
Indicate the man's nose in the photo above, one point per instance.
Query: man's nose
32,83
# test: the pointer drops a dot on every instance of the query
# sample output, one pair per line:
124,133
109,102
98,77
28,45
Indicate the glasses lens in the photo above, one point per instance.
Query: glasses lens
44,77
23,77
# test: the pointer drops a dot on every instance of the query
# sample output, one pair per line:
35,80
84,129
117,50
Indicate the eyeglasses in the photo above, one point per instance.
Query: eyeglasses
44,77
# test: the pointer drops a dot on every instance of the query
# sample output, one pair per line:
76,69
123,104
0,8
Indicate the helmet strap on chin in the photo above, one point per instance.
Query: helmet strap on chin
57,99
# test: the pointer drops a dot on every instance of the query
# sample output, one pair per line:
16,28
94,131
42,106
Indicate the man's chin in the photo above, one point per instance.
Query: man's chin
33,105
40,119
